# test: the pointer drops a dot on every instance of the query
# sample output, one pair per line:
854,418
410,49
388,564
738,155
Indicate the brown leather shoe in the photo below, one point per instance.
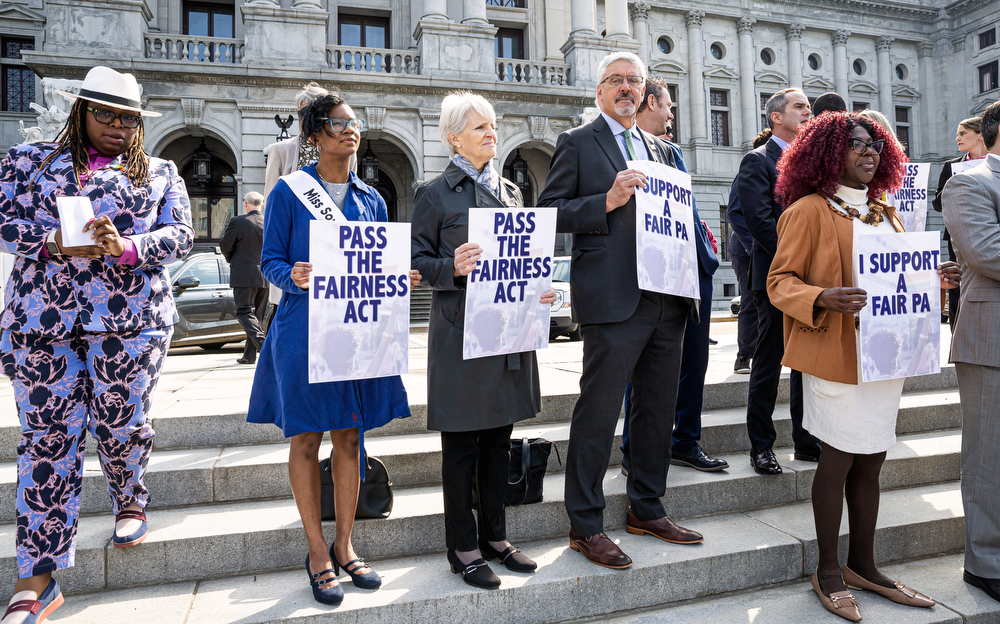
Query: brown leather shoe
662,528
838,603
599,549
900,593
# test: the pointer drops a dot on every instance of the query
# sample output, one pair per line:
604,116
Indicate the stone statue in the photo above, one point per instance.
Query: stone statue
30,135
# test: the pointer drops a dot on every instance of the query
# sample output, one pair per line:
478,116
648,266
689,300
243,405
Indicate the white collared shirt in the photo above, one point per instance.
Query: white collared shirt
637,143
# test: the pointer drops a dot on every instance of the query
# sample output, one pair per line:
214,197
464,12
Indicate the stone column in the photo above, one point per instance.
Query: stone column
928,104
474,12
639,12
793,33
307,5
616,19
437,10
748,91
696,50
583,16
840,65
882,46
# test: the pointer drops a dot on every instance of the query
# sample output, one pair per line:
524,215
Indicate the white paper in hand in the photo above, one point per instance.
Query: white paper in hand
74,213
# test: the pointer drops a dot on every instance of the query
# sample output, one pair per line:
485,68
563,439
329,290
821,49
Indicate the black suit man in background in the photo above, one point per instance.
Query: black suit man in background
785,111
241,244
627,333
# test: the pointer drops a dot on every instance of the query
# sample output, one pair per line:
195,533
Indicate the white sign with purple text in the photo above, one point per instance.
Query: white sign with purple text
359,300
503,313
665,235
901,325
911,199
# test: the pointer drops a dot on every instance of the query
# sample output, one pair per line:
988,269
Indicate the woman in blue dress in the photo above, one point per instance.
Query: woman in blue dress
282,394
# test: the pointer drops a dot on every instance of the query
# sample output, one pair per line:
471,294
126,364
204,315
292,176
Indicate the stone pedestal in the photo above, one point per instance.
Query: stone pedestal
450,50
280,37
584,52
108,29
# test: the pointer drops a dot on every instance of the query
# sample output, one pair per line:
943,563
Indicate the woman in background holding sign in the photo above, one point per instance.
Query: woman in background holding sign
831,177
88,324
473,403
282,394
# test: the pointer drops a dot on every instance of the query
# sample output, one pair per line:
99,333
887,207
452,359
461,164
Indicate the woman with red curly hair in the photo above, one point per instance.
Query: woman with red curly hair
831,177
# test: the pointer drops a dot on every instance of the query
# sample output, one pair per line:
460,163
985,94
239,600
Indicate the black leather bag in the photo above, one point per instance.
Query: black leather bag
528,461
374,497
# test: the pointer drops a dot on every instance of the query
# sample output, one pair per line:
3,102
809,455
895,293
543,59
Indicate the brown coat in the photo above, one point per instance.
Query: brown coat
814,253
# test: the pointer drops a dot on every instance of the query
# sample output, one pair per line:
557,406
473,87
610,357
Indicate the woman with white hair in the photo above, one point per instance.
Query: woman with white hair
473,403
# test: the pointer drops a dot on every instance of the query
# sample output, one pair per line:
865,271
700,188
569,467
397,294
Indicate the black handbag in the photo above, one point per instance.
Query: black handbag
528,461
374,497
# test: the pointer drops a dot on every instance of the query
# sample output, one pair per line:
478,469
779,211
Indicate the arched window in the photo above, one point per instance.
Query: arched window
212,203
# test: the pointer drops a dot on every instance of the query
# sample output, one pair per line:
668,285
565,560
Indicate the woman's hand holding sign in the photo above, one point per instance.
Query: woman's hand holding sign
300,274
624,188
466,257
950,274
548,298
842,300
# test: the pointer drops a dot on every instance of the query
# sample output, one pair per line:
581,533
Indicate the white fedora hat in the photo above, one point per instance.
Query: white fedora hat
104,85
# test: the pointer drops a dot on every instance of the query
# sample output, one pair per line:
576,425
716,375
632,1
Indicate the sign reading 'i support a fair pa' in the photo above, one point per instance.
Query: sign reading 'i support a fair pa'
665,235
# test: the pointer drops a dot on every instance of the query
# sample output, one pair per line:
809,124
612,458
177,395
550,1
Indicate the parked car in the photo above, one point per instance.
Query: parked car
205,303
561,323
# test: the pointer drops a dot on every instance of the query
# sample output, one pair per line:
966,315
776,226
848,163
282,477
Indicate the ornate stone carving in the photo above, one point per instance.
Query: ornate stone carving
538,125
840,37
693,18
958,43
794,31
193,109
745,25
639,11
884,43
925,49
375,117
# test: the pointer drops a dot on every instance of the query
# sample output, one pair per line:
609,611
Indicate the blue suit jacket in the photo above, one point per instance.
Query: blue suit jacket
708,262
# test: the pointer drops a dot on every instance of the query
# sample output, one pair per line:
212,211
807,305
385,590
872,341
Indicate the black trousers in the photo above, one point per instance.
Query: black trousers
477,459
645,348
251,303
746,321
764,377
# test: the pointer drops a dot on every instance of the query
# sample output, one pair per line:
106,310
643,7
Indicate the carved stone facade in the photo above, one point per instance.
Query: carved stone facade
914,60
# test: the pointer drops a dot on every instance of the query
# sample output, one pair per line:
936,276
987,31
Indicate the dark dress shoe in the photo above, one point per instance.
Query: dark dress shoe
662,528
765,463
807,453
245,361
696,458
988,585
512,558
477,573
599,549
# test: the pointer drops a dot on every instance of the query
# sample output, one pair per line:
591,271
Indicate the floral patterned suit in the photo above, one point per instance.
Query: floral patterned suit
83,340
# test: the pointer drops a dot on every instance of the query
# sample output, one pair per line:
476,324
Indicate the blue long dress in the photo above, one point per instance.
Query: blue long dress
282,394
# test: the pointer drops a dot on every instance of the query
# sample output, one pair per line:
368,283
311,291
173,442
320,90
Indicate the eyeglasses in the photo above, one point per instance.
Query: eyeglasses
860,147
337,124
106,117
616,80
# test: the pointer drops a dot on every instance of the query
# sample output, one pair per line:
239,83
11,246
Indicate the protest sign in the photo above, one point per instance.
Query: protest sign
665,235
911,199
901,325
502,309
359,300
965,165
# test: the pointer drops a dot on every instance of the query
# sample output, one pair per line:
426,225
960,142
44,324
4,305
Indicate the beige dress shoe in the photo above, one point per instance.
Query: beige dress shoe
900,593
838,603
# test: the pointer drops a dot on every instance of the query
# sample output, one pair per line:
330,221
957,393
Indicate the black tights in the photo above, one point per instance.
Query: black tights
837,474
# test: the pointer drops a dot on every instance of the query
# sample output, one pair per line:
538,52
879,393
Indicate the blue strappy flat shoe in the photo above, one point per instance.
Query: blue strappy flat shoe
322,590
368,580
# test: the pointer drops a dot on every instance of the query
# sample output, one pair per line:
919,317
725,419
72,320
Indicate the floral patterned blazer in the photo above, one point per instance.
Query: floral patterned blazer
49,296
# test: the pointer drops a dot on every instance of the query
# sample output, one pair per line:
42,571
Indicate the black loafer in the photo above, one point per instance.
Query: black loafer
990,586
807,453
245,361
477,573
765,463
695,457
512,558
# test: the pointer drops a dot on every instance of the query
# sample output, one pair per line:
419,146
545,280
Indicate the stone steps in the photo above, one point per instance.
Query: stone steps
741,551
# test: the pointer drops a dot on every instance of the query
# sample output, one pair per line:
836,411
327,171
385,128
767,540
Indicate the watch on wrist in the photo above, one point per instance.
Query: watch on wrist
51,246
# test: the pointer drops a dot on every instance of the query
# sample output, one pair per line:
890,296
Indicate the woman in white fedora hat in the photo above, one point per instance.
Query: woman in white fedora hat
86,326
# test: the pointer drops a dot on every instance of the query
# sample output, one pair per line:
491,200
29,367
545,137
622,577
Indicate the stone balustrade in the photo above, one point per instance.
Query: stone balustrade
532,72
188,48
373,60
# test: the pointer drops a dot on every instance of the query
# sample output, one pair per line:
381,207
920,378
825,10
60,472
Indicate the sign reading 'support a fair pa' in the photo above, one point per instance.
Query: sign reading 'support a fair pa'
359,300
665,235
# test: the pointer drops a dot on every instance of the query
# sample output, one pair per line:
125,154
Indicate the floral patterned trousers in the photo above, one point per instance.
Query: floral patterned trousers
101,382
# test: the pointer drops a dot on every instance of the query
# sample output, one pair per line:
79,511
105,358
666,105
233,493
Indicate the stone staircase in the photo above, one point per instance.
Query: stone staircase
226,544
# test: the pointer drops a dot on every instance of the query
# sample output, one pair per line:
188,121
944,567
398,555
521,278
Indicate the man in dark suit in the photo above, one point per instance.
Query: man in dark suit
241,244
627,333
786,111
740,244
654,117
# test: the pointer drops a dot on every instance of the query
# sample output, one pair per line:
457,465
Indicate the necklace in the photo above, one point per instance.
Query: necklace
875,211
336,188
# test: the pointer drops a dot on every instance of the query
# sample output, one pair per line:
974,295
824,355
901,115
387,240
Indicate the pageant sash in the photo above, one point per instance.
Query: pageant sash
313,196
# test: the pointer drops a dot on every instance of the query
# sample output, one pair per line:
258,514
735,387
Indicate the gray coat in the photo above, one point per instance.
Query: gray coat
464,395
